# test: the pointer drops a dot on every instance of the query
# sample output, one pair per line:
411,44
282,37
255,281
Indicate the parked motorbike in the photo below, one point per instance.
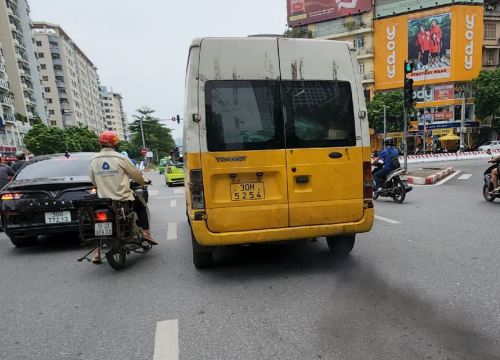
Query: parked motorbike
488,184
395,184
112,226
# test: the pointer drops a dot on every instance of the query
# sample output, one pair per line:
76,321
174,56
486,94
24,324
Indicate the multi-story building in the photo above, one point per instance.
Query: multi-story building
69,79
491,41
113,115
8,132
21,68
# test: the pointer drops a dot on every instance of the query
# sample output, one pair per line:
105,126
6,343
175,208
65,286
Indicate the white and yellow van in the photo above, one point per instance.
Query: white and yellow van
276,142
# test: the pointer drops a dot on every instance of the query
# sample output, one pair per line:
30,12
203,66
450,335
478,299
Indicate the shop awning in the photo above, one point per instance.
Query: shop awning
449,137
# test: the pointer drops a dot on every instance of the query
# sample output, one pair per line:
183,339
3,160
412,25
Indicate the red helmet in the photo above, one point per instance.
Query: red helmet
109,138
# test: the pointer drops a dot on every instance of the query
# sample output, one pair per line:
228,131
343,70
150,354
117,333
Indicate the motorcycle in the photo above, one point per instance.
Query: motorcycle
112,226
488,184
395,184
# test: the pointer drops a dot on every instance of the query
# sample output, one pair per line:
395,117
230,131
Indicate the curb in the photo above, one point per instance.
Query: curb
430,180
473,155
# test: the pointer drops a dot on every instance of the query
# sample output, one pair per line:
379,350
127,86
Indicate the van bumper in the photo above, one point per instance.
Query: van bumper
205,237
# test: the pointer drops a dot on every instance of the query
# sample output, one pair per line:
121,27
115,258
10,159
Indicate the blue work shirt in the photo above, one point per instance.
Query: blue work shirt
386,155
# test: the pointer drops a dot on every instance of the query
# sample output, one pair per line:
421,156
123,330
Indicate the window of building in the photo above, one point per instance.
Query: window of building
43,66
47,89
49,101
41,55
490,30
53,122
359,42
45,78
38,43
489,57
361,69
51,112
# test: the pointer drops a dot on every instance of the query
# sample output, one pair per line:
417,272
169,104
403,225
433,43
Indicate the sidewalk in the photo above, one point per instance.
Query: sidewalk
412,159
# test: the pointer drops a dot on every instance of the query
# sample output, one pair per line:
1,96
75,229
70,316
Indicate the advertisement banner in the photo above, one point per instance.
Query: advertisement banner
444,92
303,12
384,8
427,38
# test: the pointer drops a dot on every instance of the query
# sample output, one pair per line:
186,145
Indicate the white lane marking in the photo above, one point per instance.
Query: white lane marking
179,191
172,231
167,340
173,203
167,197
390,221
153,192
464,177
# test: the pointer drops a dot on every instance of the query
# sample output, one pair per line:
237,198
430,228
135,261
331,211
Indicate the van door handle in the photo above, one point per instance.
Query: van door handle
335,155
302,179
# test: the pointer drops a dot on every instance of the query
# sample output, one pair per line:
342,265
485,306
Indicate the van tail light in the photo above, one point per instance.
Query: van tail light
367,180
11,196
102,216
196,189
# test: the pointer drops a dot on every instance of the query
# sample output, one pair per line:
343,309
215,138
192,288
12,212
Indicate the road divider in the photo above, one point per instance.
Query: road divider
472,155
431,179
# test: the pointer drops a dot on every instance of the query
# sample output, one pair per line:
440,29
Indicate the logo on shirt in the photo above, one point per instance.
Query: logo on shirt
107,171
105,166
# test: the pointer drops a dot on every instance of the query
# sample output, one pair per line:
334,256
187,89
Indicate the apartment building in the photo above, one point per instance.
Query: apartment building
20,70
69,80
113,113
491,41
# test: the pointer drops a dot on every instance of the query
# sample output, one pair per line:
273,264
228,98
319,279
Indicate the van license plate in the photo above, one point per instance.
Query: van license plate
104,229
247,191
57,217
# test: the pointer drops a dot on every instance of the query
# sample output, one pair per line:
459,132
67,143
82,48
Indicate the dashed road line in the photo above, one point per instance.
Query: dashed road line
179,191
390,221
464,177
173,203
153,192
167,197
167,340
172,231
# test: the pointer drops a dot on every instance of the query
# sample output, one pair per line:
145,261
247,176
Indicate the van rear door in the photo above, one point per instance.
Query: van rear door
323,149
242,135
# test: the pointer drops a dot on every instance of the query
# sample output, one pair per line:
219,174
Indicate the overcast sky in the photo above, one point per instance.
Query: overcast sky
140,47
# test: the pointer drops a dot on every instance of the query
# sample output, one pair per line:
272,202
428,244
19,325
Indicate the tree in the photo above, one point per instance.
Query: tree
487,95
42,139
394,102
156,136
299,32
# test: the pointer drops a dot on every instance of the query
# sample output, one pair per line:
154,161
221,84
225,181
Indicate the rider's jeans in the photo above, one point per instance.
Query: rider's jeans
379,175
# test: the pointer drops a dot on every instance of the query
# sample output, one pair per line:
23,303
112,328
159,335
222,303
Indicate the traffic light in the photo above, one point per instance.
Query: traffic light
409,67
408,93
178,119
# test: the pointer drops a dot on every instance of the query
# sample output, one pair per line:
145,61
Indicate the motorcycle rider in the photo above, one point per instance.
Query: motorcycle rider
111,172
494,176
386,155
21,160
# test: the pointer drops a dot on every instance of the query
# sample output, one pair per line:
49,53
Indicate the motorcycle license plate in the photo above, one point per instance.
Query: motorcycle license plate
247,191
403,177
103,229
57,217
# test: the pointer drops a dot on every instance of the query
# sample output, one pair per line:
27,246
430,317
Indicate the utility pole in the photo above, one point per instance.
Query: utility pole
385,122
462,125
142,134
408,104
405,140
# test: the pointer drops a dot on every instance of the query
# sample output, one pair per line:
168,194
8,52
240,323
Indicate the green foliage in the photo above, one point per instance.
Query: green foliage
42,139
486,88
156,136
394,101
299,32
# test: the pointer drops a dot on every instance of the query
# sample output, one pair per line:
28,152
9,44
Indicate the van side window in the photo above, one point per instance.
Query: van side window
243,115
319,114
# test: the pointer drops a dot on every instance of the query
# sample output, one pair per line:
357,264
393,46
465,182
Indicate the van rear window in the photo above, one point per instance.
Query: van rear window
243,115
319,114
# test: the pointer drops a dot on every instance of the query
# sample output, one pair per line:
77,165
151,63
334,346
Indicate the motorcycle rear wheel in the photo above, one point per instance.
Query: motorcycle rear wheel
400,191
116,259
487,196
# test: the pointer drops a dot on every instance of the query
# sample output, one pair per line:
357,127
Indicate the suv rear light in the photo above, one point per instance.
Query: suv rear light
11,196
367,180
196,189
102,216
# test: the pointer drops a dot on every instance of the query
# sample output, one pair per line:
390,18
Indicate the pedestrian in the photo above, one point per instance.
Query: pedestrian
6,173
21,160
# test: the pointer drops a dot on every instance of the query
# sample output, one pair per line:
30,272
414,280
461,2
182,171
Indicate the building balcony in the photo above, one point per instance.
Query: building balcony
4,84
10,12
30,115
12,27
364,53
2,68
7,101
57,61
368,77
55,50
60,84
19,57
9,118
59,72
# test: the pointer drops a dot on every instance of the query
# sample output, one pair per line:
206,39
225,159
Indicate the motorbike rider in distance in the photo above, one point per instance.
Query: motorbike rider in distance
21,160
386,155
494,176
111,173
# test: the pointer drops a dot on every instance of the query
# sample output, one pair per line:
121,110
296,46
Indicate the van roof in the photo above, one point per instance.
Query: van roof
197,41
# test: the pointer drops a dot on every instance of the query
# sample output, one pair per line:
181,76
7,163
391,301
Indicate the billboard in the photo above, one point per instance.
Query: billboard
384,8
303,12
444,43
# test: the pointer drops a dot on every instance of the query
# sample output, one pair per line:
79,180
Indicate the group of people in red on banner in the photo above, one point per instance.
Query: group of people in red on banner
429,44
